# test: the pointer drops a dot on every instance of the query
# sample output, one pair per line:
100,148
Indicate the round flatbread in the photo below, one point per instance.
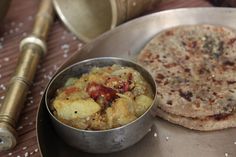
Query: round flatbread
195,70
211,123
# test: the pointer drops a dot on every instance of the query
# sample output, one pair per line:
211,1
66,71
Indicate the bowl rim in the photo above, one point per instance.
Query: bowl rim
106,130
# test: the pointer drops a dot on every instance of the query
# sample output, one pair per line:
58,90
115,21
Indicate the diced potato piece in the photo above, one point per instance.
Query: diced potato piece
81,84
142,104
120,113
121,71
124,96
70,81
78,96
110,117
139,89
68,109
136,77
98,78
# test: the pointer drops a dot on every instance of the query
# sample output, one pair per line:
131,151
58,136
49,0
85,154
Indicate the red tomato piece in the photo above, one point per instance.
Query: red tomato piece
70,90
96,90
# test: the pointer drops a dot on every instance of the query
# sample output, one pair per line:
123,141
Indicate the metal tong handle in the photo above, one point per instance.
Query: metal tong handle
32,49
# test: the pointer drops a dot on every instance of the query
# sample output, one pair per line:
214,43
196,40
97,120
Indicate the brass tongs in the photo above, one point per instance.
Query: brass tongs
32,49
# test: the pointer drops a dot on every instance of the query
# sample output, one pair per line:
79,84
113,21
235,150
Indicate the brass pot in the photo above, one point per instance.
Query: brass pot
89,18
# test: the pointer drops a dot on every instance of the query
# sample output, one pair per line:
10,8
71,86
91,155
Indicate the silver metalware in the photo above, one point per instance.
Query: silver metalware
165,139
102,141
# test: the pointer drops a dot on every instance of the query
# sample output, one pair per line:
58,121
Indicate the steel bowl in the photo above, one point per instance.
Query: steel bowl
102,141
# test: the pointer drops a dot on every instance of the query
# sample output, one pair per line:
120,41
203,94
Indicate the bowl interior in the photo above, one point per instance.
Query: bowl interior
86,18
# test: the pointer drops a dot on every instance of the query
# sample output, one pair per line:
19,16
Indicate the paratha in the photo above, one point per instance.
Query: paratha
194,68
216,122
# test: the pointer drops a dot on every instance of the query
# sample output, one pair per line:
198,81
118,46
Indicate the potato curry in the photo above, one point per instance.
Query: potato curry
104,98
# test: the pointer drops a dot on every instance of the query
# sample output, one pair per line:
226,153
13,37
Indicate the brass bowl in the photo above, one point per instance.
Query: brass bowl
101,141
89,18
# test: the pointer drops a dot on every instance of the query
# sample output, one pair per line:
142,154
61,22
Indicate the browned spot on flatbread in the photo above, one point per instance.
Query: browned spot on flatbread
169,102
231,82
228,63
186,95
231,41
219,117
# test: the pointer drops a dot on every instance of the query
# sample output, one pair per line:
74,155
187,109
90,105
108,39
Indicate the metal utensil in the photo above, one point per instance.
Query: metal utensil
32,49
90,18
102,141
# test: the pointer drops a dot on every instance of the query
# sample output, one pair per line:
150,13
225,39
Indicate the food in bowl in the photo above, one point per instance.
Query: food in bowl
108,140
104,98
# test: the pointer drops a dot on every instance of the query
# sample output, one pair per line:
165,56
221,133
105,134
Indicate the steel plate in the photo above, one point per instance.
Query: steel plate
172,140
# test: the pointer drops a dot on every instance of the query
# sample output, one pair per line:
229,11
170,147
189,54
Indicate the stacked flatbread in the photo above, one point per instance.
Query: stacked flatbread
195,71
